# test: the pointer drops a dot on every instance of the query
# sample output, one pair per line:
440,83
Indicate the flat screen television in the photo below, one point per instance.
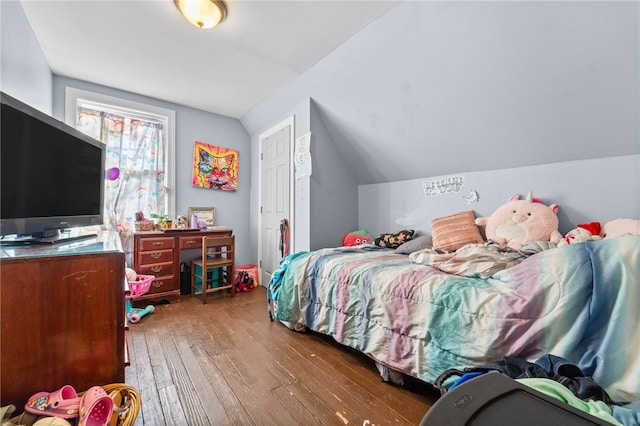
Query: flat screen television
51,177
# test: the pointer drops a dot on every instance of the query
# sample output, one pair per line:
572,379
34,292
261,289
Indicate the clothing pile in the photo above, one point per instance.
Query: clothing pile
555,377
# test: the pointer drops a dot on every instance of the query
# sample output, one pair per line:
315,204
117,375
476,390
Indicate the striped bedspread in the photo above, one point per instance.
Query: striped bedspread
580,302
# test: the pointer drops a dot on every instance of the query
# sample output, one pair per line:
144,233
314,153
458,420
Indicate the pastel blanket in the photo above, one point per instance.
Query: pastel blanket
481,260
580,302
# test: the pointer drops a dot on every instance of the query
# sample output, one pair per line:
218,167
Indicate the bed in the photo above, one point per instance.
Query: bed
580,302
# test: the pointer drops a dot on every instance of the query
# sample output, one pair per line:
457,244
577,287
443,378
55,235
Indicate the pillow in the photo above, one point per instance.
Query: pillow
416,244
452,232
393,240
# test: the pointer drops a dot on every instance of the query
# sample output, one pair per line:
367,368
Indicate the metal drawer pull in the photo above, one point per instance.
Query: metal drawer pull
156,268
190,242
157,284
156,255
157,243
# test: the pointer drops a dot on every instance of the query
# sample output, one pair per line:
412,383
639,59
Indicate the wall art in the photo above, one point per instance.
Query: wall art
215,167
442,186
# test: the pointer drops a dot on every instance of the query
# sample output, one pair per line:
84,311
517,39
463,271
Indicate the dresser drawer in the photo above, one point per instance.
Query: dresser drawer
154,257
158,253
158,243
163,284
156,269
190,242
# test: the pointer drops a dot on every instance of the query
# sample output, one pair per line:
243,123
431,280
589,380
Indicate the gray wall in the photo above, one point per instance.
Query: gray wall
428,89
26,76
24,72
325,204
193,125
597,190
438,88
431,88
302,187
333,189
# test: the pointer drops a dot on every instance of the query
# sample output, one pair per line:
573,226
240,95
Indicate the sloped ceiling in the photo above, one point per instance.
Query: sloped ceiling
406,89
434,88
148,48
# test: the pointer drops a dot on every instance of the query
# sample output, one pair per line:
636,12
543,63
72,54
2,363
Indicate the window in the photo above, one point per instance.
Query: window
139,156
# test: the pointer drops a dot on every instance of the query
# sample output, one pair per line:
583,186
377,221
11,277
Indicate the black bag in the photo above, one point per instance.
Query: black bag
185,279
493,399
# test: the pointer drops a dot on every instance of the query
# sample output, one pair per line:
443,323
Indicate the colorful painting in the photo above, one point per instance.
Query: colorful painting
215,167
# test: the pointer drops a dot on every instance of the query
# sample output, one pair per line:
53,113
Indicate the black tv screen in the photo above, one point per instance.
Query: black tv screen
52,175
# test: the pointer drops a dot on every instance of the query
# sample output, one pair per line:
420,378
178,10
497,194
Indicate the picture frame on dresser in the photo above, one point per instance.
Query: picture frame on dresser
206,214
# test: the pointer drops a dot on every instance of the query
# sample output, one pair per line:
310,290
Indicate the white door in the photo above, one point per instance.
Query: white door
275,190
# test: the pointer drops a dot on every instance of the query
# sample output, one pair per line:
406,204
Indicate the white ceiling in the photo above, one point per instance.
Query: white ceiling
148,48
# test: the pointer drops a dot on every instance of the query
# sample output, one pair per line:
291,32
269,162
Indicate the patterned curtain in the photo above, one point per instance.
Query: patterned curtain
135,165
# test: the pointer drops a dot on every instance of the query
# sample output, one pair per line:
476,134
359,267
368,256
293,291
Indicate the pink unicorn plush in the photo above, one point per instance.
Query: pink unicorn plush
519,222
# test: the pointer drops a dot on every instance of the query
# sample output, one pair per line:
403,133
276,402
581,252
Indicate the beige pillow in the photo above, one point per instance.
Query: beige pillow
449,233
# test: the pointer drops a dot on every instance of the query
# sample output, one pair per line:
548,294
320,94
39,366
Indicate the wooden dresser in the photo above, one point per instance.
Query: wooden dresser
62,316
158,253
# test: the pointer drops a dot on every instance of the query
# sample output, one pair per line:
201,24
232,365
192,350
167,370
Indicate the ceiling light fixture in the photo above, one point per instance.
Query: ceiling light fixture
202,13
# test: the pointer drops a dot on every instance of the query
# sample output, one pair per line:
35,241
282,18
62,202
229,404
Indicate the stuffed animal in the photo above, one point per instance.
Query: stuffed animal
355,238
519,222
181,222
620,228
584,232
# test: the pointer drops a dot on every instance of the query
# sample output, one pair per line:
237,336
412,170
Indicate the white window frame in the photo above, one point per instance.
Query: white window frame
77,97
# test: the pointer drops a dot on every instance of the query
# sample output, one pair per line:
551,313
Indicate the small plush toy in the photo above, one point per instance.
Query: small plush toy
519,222
355,238
181,222
620,228
584,232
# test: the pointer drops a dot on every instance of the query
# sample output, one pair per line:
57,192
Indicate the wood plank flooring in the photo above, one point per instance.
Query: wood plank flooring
225,363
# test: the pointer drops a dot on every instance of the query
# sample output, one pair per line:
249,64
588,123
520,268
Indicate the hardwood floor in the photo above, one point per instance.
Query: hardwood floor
225,363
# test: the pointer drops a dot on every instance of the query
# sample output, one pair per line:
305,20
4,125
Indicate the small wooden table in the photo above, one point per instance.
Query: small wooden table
158,253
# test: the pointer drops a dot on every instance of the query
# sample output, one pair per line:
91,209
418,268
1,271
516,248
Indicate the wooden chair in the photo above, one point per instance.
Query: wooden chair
214,271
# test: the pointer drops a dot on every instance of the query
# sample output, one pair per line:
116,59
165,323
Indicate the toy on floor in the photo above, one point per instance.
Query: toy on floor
138,285
244,282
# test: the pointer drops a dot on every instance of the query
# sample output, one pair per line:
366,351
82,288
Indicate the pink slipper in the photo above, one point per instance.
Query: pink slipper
63,403
95,407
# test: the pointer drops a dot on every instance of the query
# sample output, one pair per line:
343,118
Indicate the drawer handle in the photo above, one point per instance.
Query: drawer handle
191,242
157,284
157,243
156,255
156,268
